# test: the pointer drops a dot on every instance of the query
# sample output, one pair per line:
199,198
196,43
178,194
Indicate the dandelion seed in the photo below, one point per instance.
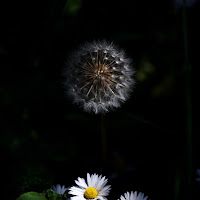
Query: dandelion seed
133,196
95,188
98,77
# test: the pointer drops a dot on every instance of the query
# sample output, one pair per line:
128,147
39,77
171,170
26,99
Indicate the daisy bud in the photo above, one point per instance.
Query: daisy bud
98,77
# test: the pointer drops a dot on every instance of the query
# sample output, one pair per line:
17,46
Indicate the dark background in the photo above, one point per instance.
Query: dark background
46,140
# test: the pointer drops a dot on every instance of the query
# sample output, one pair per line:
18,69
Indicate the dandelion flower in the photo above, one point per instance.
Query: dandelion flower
98,77
58,189
133,196
95,188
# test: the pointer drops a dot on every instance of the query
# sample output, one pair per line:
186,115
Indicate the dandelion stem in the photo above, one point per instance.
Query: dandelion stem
103,139
187,96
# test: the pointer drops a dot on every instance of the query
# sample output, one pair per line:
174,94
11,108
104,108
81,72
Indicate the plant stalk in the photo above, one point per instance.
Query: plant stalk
187,74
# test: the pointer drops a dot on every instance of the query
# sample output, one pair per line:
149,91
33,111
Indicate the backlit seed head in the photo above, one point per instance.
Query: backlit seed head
98,77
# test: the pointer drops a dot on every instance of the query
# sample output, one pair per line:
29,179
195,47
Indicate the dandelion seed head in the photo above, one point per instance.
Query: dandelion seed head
98,77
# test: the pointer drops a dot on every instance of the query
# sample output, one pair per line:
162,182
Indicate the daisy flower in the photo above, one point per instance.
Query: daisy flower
58,189
133,196
95,188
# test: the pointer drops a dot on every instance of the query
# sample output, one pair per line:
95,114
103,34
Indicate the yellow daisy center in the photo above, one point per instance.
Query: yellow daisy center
90,193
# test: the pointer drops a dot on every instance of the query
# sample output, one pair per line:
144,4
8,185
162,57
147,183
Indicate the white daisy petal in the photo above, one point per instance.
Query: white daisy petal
133,196
146,198
126,195
105,190
76,191
102,182
93,183
140,196
89,180
96,179
63,189
81,182
100,198
59,189
122,198
77,198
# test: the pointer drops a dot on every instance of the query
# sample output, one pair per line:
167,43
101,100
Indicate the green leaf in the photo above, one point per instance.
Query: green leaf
31,196
53,195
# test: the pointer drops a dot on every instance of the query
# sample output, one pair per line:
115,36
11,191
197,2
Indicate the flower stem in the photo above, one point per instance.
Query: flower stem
187,72
103,139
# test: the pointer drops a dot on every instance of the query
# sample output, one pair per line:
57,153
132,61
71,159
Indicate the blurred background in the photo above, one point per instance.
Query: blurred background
146,145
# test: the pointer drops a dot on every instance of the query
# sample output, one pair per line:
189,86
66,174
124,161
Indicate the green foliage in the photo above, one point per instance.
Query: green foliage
32,196
72,7
46,195
34,177
54,196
